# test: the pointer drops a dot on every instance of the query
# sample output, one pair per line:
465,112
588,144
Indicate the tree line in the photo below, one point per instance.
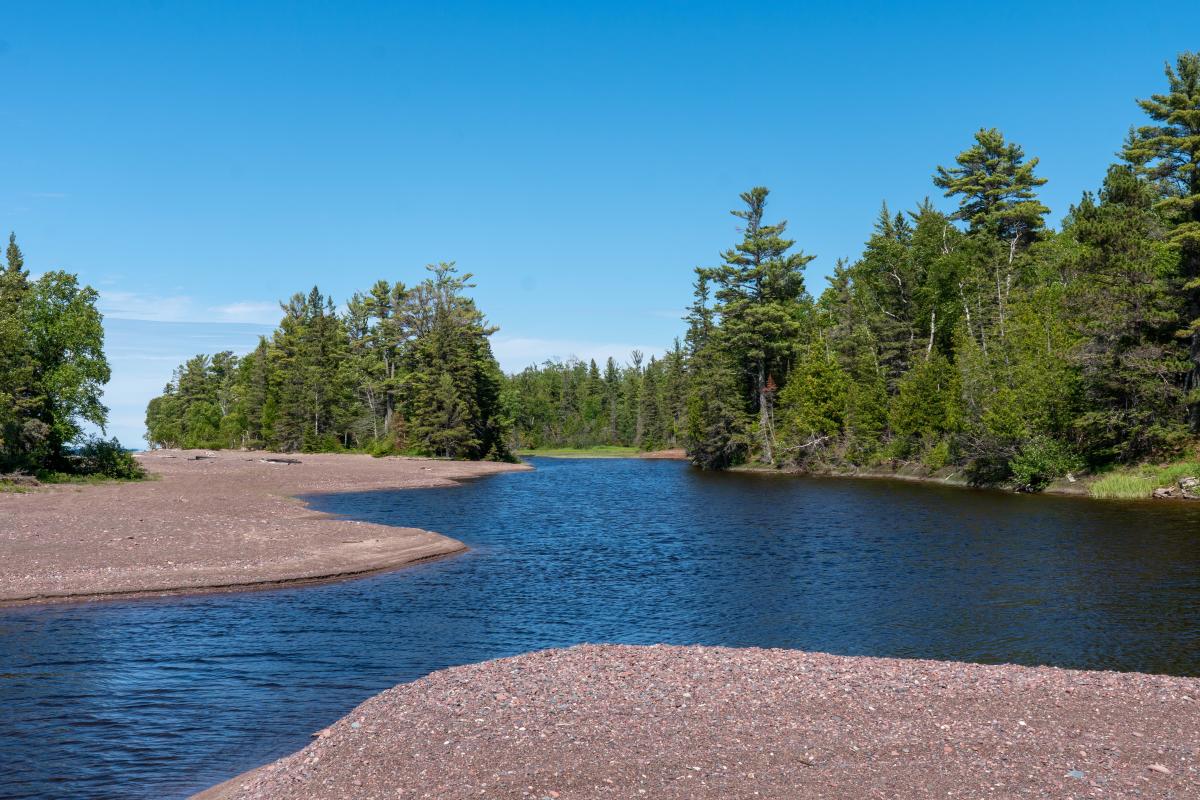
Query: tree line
401,370
980,338
573,404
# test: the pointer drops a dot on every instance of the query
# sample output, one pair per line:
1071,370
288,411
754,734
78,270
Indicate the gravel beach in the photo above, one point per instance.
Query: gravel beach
211,521
600,721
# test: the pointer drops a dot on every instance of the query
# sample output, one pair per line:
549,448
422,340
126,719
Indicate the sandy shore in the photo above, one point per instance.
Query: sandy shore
226,521
697,722
674,454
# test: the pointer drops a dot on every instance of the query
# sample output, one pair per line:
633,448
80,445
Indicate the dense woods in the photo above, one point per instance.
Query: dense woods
979,338
401,370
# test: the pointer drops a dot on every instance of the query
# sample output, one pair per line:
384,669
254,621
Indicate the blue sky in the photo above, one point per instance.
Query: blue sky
198,161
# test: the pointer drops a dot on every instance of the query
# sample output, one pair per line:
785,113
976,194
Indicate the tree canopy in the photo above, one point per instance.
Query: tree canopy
399,371
52,373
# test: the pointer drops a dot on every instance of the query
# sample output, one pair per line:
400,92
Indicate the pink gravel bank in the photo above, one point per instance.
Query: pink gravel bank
211,521
700,722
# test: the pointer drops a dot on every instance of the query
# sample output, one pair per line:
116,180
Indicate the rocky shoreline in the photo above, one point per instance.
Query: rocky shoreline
712,722
212,521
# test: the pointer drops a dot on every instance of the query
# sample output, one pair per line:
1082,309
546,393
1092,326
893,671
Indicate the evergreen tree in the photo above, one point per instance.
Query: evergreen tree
812,407
16,368
996,189
1133,367
717,435
761,302
1168,154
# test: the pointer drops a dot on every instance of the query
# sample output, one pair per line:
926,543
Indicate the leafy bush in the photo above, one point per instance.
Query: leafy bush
937,456
1040,461
109,459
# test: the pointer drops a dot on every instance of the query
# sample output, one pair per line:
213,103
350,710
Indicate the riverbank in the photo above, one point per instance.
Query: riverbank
212,521
710,722
948,476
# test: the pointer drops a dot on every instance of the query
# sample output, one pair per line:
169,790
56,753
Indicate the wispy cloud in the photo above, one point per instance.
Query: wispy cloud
153,308
182,308
248,311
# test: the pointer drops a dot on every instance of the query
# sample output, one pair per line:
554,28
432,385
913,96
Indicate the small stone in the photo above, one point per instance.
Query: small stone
1077,774
1159,768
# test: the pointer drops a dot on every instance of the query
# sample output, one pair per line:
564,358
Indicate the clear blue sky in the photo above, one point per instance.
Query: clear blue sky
198,161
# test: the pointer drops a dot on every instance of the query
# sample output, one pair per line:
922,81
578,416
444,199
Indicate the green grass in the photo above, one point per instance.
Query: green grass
8,487
601,451
1136,483
88,480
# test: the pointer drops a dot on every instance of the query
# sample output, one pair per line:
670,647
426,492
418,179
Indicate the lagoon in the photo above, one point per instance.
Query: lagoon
161,698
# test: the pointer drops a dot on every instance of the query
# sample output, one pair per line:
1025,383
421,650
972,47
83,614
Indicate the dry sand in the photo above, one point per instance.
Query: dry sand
226,521
674,454
698,722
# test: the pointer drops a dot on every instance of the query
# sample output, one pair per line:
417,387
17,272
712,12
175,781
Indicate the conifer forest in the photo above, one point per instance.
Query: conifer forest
980,337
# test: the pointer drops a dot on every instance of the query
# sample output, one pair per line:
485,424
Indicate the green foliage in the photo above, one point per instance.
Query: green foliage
108,459
599,451
812,408
979,340
52,366
402,371
1167,154
717,431
762,303
926,406
996,188
573,405
1041,460
1133,368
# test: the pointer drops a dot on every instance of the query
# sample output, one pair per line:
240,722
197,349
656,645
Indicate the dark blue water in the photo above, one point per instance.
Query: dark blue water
159,698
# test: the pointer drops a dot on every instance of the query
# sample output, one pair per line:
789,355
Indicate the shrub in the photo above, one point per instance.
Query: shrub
1040,461
108,459
936,456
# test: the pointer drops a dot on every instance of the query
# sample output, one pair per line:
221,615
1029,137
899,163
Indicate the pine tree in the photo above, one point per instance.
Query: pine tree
812,407
997,195
1168,154
1132,365
761,299
16,368
716,435
455,394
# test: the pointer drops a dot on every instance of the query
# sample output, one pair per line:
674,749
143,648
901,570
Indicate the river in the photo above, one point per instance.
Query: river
160,698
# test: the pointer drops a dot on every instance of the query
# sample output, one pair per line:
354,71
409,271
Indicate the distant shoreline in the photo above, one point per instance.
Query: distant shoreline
672,454
915,474
1081,485
215,521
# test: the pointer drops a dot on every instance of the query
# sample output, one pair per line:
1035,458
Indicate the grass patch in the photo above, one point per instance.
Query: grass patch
88,480
1138,483
8,487
601,451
